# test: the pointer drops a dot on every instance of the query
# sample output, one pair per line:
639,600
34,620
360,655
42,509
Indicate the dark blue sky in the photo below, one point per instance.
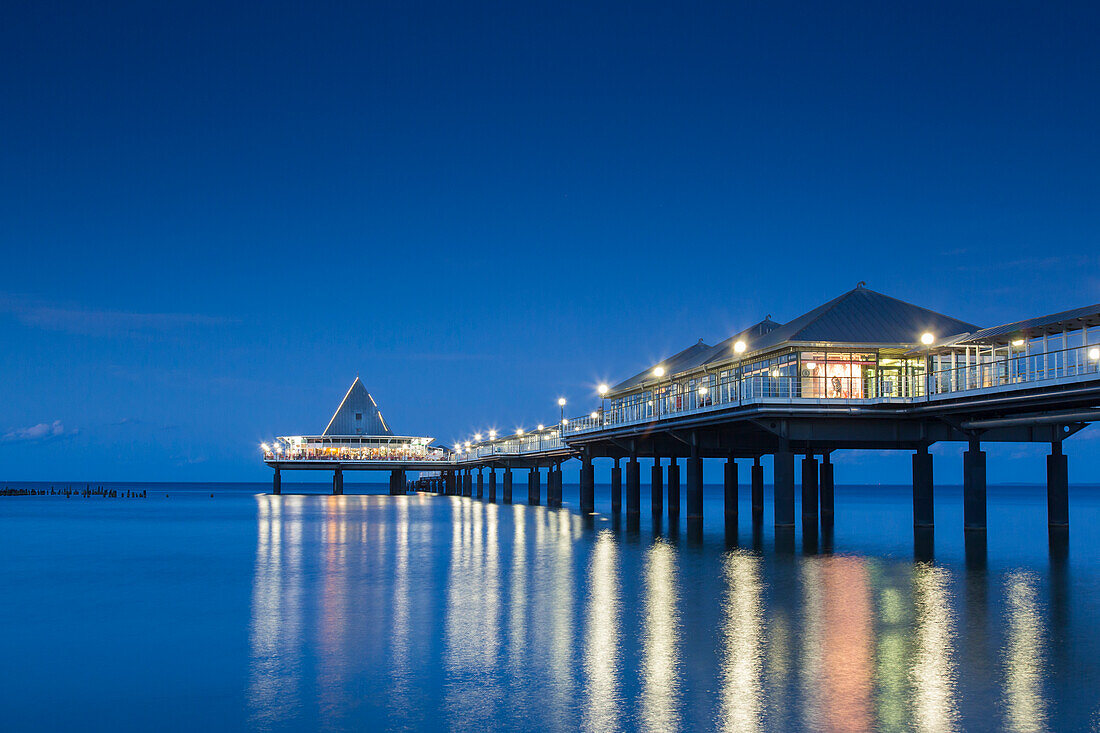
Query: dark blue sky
215,215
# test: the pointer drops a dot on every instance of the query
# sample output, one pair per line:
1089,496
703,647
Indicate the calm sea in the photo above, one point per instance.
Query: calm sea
186,611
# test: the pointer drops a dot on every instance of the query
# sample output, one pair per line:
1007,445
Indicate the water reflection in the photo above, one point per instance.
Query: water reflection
933,672
1024,704
601,648
523,617
660,641
741,705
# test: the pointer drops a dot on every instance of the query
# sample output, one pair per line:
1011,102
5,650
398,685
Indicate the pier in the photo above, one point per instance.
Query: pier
862,372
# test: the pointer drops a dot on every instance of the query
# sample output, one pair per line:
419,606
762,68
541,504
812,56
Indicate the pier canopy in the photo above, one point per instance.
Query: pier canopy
356,432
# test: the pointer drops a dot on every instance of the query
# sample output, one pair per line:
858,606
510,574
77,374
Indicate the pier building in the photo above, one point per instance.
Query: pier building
356,438
863,371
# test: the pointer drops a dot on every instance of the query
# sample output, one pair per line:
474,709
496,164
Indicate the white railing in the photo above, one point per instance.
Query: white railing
514,446
1021,371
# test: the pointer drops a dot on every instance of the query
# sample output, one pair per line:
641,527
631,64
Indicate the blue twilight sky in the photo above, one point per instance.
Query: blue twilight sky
214,215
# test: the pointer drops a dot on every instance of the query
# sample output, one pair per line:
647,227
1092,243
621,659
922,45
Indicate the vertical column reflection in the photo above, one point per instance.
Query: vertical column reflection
741,703
601,651
517,608
933,675
1025,707
274,636
660,641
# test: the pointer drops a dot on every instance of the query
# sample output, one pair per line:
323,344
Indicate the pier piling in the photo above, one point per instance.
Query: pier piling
277,483
656,485
729,485
1057,486
923,507
694,486
825,487
783,477
809,492
757,497
974,503
588,484
633,487
673,488
616,488
507,486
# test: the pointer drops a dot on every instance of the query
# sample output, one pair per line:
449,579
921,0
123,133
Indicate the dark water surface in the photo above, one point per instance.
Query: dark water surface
245,610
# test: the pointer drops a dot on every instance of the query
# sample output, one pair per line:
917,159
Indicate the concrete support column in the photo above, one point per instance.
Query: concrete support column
783,476
451,484
337,482
277,483
588,485
729,484
616,488
673,488
507,486
694,487
553,486
633,486
809,491
825,486
534,487
656,484
480,483
974,486
1057,486
757,491
492,484
923,508
467,484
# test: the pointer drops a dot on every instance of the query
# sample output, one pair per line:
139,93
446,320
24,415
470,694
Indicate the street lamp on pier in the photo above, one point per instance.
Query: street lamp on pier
739,349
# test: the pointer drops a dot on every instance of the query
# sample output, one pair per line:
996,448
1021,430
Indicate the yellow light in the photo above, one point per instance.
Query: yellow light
561,402
519,432
492,434
740,347
1018,342
467,445
703,390
565,421
477,436
593,414
541,426
775,373
927,338
811,365
1094,354
659,372
264,446
602,389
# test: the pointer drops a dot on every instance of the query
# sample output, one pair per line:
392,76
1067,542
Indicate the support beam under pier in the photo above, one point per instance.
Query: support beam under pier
277,483
809,492
757,491
729,485
783,477
656,484
337,482
492,484
1057,486
534,487
467,484
507,486
825,486
616,488
974,502
694,486
673,488
480,483
923,506
633,486
588,485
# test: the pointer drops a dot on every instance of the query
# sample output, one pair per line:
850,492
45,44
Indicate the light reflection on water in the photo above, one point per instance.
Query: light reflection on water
533,623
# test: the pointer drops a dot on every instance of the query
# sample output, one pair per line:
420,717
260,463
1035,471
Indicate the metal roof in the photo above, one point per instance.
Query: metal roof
358,414
672,365
859,316
1055,323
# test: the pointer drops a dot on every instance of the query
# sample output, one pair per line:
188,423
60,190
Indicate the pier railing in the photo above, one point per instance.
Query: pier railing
1020,371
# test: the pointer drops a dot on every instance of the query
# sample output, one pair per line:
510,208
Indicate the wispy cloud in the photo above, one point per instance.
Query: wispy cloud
41,431
97,322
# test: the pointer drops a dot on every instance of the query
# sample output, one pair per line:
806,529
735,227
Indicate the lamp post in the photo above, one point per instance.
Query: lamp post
739,349
602,390
561,404
927,339
658,372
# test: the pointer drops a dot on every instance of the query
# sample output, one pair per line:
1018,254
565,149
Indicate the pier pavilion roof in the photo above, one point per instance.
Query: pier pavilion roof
358,414
860,316
1055,323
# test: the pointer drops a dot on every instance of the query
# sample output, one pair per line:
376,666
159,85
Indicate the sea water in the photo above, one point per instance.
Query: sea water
221,607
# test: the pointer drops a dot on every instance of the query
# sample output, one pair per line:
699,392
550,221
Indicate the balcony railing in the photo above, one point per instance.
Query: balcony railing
1019,371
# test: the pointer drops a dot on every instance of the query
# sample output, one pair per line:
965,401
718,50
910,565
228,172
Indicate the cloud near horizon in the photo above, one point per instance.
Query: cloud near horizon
41,431
92,322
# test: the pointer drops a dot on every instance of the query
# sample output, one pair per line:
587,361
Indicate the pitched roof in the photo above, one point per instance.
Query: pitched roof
358,414
674,364
1055,323
861,316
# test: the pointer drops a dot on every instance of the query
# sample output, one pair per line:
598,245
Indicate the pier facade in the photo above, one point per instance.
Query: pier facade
864,371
